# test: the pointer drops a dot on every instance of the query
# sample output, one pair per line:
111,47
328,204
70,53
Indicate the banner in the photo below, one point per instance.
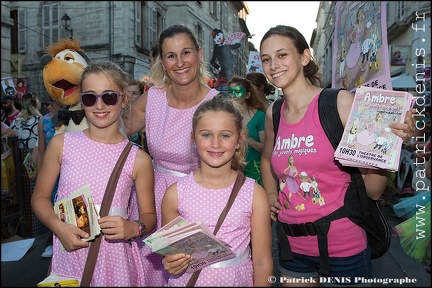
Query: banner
254,63
360,55
8,86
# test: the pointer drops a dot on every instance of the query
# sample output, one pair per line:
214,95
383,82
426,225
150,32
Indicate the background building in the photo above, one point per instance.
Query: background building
122,31
408,35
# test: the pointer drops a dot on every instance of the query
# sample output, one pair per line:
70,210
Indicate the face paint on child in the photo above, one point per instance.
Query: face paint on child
238,91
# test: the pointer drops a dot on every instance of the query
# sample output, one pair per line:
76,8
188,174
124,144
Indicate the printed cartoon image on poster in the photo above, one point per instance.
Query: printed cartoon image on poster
21,87
8,86
222,61
254,63
360,55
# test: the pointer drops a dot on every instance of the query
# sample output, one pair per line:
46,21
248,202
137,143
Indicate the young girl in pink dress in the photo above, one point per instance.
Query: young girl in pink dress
88,157
218,134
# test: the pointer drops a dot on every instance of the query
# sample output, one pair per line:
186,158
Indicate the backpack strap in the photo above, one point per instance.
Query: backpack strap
276,109
329,115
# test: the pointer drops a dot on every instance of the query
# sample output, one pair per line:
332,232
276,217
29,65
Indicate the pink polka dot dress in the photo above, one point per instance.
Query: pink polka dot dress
169,143
196,203
85,161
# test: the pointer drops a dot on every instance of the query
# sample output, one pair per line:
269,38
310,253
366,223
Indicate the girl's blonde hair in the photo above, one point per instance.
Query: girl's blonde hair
223,103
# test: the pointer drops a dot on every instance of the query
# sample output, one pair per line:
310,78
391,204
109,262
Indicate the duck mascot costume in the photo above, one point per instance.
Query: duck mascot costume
63,67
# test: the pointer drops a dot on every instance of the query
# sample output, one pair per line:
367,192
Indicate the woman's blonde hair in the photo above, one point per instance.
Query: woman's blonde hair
31,106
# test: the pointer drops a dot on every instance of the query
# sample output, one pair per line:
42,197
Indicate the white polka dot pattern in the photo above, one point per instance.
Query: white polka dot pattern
168,138
85,161
197,203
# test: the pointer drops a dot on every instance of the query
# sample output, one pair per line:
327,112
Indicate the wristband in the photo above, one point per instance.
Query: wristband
141,229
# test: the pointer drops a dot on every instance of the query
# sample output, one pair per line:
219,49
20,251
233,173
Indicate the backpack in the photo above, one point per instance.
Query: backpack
358,207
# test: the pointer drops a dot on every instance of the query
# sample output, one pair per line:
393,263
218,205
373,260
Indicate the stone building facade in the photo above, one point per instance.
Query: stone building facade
122,31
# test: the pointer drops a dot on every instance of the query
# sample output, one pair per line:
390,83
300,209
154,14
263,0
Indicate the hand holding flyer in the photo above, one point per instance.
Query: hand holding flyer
194,239
79,210
367,140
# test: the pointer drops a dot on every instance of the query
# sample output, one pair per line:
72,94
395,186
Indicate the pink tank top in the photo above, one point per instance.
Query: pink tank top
312,185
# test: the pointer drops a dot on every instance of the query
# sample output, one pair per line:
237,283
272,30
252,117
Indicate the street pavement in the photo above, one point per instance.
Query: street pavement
394,265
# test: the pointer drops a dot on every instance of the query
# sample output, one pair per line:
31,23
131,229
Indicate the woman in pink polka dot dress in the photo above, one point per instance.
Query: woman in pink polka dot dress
88,157
218,134
166,111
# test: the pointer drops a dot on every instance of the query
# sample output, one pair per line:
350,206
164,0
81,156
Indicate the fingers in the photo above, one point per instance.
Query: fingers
73,239
274,208
176,264
403,130
114,227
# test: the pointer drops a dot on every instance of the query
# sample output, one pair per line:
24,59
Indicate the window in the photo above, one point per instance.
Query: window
199,32
18,31
225,15
149,23
50,23
214,8
400,10
22,31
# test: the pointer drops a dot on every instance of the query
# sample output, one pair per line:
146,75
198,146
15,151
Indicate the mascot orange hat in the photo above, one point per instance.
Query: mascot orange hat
63,67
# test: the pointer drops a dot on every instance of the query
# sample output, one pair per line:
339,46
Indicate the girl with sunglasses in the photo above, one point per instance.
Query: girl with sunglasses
88,157
242,91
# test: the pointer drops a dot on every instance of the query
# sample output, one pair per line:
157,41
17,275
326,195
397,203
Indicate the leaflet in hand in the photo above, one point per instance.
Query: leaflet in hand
195,239
79,209
367,140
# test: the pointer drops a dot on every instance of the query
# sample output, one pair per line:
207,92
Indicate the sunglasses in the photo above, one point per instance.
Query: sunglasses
109,98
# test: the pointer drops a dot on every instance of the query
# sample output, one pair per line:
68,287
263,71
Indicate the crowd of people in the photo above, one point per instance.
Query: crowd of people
191,142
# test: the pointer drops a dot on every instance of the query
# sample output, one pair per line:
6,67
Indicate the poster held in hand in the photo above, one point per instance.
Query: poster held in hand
367,141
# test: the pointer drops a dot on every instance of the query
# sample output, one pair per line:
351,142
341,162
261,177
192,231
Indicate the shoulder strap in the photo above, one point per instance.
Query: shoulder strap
329,115
104,210
236,188
276,115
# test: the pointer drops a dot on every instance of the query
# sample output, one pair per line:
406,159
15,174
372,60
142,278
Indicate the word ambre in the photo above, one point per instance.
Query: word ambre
293,142
379,98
